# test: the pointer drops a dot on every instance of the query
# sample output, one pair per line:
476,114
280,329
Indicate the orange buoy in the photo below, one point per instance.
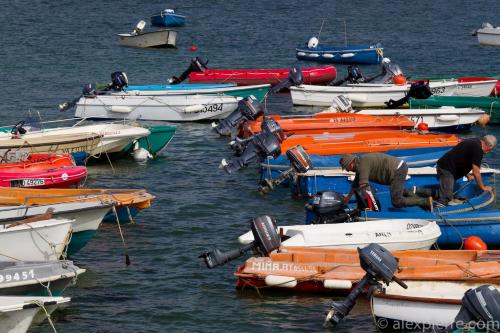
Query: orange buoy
474,243
423,127
399,79
193,48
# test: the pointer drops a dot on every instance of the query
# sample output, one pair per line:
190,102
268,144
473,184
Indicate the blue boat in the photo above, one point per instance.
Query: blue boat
317,181
168,18
414,158
354,54
473,217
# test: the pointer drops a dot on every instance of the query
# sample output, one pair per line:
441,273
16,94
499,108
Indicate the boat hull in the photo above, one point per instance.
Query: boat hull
362,54
362,95
156,39
166,108
489,36
244,77
62,177
155,142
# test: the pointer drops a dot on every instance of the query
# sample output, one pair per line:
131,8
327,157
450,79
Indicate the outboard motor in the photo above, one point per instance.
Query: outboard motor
268,125
418,90
17,130
259,147
379,265
266,241
480,309
366,199
139,28
329,207
300,162
196,65
249,108
354,75
295,78
119,81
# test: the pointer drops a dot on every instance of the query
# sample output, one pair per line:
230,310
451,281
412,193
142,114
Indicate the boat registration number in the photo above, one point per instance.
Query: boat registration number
17,276
212,108
29,182
417,119
438,90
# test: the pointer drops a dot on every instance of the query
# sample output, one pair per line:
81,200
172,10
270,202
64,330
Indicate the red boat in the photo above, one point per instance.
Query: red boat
245,77
42,171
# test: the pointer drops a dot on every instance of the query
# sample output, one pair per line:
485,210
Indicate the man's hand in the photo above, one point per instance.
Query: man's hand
487,188
469,177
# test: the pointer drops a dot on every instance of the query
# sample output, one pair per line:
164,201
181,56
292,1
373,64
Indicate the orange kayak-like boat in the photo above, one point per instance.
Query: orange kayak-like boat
323,270
39,162
330,123
367,142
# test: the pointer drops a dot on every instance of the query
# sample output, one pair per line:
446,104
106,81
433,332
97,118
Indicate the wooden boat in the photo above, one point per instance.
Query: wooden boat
316,181
429,303
168,18
259,91
362,94
157,38
41,241
337,270
244,77
172,107
414,148
352,54
18,312
329,122
128,202
397,234
45,278
491,105
488,35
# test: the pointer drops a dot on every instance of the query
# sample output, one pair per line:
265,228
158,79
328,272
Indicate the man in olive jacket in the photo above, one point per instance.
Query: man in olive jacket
386,170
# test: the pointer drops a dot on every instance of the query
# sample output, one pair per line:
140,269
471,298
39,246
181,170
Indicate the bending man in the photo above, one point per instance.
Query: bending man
386,170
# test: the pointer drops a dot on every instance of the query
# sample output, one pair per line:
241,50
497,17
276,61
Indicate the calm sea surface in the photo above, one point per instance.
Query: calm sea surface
49,49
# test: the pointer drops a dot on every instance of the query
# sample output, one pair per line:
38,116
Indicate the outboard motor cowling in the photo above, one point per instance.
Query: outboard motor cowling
196,65
300,162
266,240
379,265
418,90
480,309
119,81
268,125
249,108
260,147
295,78
366,199
329,207
354,75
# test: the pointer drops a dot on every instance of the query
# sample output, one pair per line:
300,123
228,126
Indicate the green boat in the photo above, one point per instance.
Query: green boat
491,105
155,142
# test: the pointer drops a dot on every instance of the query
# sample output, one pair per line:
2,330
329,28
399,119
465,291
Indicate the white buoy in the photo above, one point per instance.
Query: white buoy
313,42
281,281
193,108
140,154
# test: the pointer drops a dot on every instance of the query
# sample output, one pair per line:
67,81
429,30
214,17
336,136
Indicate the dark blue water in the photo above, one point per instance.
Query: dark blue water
49,49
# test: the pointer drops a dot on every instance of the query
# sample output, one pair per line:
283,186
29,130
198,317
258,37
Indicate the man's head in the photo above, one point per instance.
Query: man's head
347,162
488,143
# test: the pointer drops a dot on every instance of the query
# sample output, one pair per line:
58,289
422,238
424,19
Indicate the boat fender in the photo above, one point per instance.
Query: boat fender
121,109
281,281
313,42
337,284
347,55
193,108
448,117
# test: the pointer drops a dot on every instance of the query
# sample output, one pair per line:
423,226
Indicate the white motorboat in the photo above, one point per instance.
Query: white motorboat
362,94
113,136
392,234
172,107
446,118
17,313
488,35
156,38
40,241
475,88
431,303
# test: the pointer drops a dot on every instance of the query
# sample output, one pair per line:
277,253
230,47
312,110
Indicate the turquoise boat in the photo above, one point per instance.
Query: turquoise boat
259,91
491,105
155,142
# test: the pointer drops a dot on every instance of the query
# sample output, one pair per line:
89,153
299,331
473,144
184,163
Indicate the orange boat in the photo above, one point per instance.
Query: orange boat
39,162
365,142
332,122
323,270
